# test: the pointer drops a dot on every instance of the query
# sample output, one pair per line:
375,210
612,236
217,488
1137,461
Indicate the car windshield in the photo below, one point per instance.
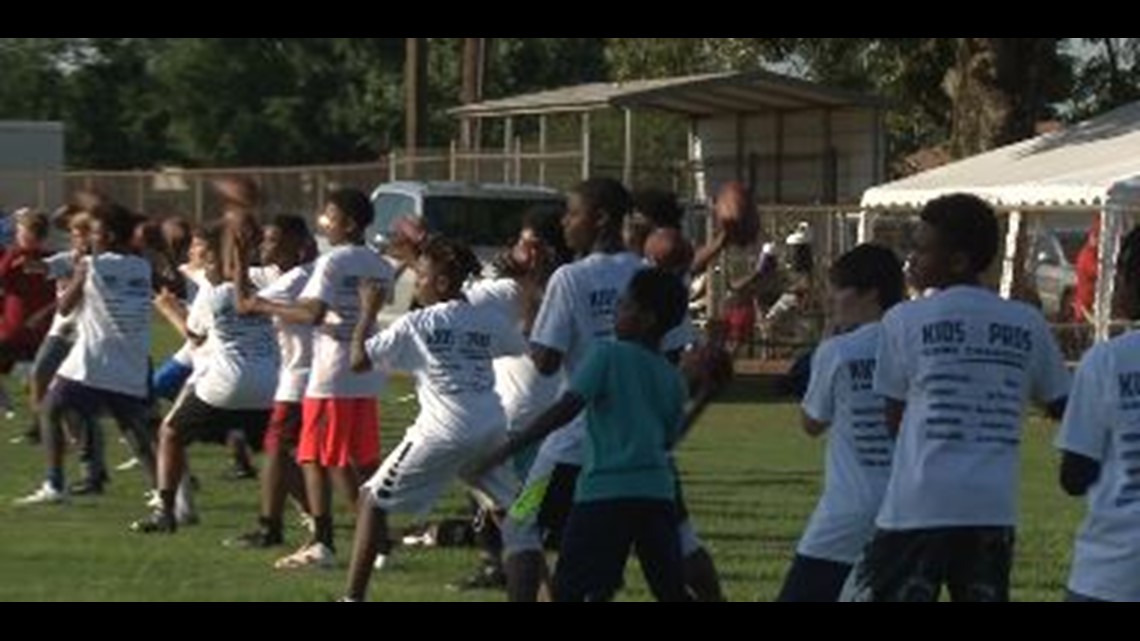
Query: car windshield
1071,242
490,222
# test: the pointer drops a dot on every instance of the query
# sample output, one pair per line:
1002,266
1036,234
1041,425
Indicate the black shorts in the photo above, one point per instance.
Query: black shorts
196,421
599,537
556,504
912,565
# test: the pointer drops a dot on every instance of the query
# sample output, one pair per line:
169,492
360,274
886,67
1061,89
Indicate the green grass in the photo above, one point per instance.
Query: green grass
751,479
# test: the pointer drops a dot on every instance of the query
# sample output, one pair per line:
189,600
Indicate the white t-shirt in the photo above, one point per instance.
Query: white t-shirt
449,348
578,308
1102,422
335,281
113,341
294,341
60,266
965,361
859,448
525,392
241,373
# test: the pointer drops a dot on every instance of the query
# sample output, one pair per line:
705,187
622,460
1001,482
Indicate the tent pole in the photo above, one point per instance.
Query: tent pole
1009,266
1106,268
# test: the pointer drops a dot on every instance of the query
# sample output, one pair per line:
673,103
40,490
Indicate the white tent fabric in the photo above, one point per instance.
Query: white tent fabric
1095,163
1076,166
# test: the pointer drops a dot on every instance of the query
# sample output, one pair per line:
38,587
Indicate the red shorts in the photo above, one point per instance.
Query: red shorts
284,428
338,432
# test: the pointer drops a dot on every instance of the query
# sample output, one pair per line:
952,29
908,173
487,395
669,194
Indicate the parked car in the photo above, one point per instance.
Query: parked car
1053,267
487,216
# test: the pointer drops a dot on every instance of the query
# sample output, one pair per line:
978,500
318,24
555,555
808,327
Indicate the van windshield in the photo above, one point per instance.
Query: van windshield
489,222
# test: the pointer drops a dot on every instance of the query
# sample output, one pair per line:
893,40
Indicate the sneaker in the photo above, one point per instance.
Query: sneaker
45,494
382,561
156,523
311,555
487,577
153,499
128,465
258,539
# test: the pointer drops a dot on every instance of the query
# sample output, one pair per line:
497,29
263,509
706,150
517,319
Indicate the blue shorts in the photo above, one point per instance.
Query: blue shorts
169,379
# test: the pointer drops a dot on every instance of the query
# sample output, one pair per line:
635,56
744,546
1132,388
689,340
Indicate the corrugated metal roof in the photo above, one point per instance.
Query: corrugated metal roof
698,95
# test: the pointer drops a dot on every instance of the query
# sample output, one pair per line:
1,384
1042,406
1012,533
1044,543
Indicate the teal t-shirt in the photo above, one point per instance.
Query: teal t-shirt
634,408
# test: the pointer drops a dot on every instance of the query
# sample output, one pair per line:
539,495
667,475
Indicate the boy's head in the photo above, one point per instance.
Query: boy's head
79,232
442,268
82,201
956,241
31,229
652,209
1126,292
654,303
865,283
595,214
176,237
112,228
346,215
540,247
285,241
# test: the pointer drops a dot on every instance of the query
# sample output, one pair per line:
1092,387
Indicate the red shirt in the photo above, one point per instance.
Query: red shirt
1085,295
21,296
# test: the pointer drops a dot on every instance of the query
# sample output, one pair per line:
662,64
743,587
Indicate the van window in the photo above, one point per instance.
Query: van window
390,207
489,222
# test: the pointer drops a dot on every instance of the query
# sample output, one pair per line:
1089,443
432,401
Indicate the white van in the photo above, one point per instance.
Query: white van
487,216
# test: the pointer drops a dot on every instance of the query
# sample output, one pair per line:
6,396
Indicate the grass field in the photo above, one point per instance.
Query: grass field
751,479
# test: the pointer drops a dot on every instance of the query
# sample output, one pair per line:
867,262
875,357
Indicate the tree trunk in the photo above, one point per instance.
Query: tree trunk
998,90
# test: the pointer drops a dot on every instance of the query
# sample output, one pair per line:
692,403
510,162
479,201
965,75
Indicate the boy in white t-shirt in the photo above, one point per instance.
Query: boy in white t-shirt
449,345
106,370
956,369
232,391
1100,446
288,245
865,283
340,432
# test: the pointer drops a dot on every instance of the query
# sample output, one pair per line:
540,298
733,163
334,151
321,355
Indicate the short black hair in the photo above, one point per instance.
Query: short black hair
117,219
454,257
965,224
659,206
355,204
661,292
292,226
546,223
607,195
868,267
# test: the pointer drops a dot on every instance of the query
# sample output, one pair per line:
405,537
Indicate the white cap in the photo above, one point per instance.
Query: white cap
801,236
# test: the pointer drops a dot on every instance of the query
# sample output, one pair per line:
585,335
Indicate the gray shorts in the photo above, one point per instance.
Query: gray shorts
50,356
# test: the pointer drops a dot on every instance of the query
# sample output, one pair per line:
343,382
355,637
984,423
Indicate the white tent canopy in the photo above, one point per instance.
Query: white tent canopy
1095,163
1073,167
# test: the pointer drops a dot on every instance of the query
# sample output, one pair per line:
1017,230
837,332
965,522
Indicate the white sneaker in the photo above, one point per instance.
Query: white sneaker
128,465
380,562
316,555
45,494
153,500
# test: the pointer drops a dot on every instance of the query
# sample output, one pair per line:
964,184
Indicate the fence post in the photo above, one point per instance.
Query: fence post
198,204
451,162
392,166
542,150
518,160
